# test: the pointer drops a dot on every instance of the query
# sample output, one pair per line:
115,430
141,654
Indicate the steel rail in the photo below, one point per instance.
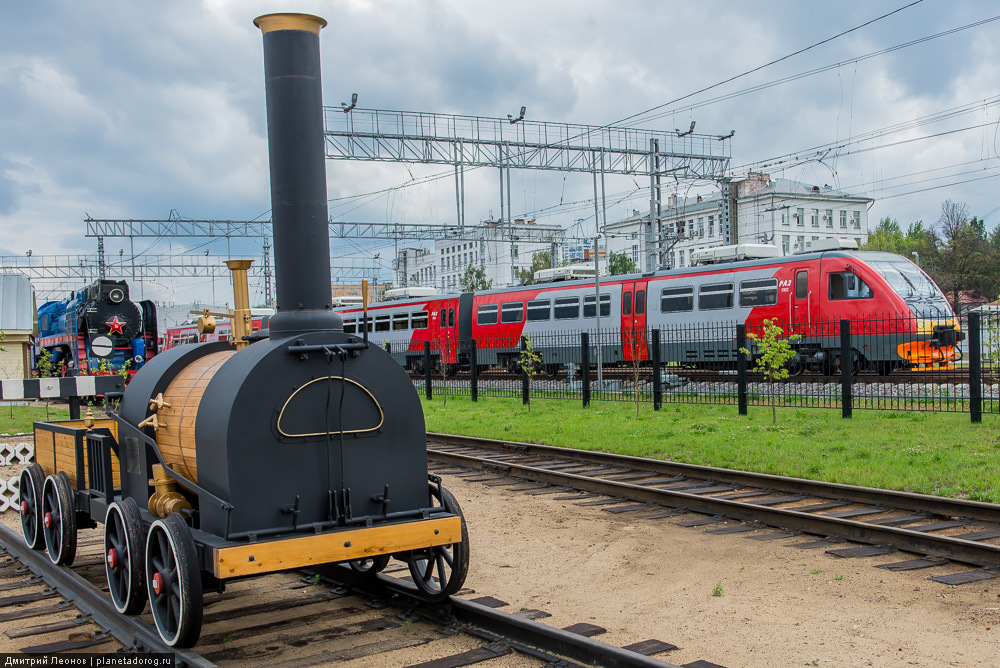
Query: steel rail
956,549
521,634
131,631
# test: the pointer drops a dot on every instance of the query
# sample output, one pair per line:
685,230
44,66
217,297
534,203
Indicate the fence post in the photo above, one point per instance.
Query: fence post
975,368
741,368
846,369
525,379
427,367
585,366
473,371
657,377
74,408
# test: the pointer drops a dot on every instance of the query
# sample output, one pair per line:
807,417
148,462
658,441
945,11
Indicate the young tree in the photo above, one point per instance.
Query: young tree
474,279
773,352
620,263
539,260
530,360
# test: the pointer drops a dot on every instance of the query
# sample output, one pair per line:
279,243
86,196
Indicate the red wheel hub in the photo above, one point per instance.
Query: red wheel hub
157,584
112,558
48,520
24,508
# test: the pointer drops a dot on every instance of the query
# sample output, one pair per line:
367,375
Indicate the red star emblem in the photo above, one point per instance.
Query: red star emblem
116,326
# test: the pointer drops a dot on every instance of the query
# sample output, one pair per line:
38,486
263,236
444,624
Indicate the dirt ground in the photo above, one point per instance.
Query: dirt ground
779,606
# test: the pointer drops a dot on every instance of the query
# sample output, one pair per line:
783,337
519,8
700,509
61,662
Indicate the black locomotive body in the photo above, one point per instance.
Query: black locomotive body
298,446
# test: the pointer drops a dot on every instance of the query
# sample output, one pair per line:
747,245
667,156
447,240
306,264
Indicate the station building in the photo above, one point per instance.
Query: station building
784,213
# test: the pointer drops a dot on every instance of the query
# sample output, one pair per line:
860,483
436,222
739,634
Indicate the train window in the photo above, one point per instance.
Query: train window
451,317
539,309
400,321
801,285
487,314
759,292
715,296
675,300
567,308
640,302
350,326
847,285
627,303
382,323
512,312
419,320
588,306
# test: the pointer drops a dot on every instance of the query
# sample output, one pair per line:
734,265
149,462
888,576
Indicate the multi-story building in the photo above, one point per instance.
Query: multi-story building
784,213
500,249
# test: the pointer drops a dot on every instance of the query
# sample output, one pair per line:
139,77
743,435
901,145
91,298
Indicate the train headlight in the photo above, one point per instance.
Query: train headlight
117,295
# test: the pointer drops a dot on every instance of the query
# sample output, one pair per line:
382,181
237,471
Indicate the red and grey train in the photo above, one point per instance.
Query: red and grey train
900,317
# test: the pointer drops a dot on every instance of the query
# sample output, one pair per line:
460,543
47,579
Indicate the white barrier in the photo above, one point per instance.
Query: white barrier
13,454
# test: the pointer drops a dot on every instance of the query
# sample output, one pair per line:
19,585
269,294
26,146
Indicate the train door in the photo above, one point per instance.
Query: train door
448,331
634,321
800,304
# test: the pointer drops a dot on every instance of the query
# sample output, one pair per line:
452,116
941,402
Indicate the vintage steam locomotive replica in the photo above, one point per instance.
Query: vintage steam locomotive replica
97,329
285,448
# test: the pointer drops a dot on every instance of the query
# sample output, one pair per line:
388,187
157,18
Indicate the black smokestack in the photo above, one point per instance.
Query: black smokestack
298,173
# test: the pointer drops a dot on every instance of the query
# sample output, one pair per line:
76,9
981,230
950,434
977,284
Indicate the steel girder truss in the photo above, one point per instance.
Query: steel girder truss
472,141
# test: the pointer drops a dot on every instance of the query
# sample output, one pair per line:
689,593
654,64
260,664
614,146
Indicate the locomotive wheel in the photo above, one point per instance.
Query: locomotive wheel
369,567
123,558
59,519
30,492
440,571
173,579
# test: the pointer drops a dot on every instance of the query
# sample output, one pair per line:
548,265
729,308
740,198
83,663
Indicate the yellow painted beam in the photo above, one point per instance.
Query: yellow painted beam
327,548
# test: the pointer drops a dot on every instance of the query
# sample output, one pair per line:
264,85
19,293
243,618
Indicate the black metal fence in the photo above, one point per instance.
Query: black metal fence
872,362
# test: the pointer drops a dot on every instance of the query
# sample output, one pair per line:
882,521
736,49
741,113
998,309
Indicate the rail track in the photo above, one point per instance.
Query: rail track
304,618
932,530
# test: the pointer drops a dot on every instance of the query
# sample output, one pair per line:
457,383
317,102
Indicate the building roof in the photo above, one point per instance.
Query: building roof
787,187
17,303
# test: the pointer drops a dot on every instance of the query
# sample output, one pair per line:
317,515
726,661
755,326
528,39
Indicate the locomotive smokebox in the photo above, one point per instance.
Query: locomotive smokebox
309,429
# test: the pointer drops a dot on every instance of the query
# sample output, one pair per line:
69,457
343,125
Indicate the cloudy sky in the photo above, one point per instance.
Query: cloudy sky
134,109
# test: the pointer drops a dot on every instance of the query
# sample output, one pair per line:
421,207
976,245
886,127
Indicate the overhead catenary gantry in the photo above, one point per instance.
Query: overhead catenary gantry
517,143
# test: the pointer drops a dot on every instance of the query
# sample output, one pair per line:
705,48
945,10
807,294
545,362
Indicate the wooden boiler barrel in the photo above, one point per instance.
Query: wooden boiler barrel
175,436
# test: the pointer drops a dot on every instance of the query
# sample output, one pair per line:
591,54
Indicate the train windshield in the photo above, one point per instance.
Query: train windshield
915,288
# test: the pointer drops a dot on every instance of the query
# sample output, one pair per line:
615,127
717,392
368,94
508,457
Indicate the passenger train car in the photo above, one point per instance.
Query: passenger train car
98,329
902,316
188,332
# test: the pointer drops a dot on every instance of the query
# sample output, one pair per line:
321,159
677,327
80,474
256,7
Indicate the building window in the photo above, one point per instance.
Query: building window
843,220
784,244
814,218
800,217
784,218
711,226
801,243
828,216
701,227
513,251
856,216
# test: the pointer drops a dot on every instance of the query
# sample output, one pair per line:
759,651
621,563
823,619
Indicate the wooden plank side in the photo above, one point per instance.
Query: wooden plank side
279,555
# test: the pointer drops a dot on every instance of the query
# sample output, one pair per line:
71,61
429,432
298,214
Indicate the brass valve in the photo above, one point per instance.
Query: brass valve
151,421
165,499
158,403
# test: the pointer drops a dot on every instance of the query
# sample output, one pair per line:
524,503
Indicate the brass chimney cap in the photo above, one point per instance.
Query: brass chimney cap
285,21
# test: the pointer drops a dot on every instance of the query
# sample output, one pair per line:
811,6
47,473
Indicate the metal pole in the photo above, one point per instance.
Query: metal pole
741,368
657,378
473,371
597,312
975,368
525,379
846,369
427,366
585,367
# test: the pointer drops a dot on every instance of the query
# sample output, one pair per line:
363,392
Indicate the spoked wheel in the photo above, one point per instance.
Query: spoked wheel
440,571
123,558
59,519
173,579
30,490
369,567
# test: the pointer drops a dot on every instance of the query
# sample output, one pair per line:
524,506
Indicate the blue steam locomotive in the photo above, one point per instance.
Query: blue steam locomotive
97,329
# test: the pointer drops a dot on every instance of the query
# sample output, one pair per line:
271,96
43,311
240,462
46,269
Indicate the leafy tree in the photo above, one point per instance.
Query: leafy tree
474,279
539,260
965,258
530,361
773,352
620,263
44,365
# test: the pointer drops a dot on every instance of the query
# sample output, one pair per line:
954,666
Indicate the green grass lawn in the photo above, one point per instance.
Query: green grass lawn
14,419
932,453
